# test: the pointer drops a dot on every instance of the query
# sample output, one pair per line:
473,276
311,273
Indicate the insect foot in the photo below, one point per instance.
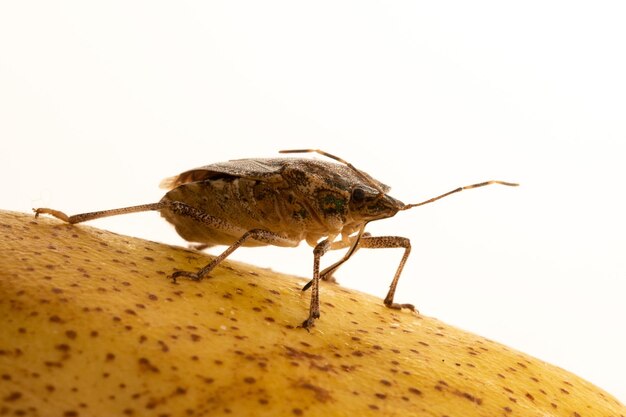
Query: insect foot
310,321
397,306
54,213
194,276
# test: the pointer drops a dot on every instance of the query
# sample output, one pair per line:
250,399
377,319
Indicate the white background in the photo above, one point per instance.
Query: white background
100,101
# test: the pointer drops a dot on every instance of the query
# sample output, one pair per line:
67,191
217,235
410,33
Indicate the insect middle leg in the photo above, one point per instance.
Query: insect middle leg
272,239
383,242
205,219
257,234
375,242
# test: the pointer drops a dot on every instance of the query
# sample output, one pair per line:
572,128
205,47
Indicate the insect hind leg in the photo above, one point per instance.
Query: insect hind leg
83,217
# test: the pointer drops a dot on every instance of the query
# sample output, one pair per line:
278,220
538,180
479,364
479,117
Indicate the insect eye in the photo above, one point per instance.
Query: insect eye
358,195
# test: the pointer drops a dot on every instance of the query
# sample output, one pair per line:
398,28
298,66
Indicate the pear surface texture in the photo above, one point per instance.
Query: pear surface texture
92,326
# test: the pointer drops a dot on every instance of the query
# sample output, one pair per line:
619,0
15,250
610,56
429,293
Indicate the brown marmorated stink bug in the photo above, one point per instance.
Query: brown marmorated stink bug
280,202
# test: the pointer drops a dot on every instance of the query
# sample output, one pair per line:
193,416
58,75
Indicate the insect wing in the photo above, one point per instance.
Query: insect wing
260,169
270,170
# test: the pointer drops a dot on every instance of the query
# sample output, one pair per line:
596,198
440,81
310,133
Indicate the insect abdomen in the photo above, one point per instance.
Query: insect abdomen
248,204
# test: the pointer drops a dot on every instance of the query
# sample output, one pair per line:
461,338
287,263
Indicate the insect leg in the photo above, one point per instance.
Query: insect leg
200,216
314,309
83,217
256,234
327,273
379,242
199,246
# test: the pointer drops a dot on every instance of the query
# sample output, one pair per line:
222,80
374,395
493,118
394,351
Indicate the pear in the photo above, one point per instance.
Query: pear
92,326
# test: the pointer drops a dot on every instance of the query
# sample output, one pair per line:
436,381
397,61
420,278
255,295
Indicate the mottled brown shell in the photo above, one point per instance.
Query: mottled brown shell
297,199
269,170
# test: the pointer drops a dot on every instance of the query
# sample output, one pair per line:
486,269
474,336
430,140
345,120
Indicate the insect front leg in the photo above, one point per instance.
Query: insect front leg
314,309
213,222
380,242
374,242
327,273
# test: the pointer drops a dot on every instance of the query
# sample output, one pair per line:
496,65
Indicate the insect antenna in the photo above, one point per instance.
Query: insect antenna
457,190
360,173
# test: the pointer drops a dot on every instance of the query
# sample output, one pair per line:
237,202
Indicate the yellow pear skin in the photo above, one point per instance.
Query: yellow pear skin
92,326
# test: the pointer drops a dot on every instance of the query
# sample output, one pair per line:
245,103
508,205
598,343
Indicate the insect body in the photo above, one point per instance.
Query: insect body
280,202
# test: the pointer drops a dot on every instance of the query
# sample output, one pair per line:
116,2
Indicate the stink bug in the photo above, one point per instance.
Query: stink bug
280,202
